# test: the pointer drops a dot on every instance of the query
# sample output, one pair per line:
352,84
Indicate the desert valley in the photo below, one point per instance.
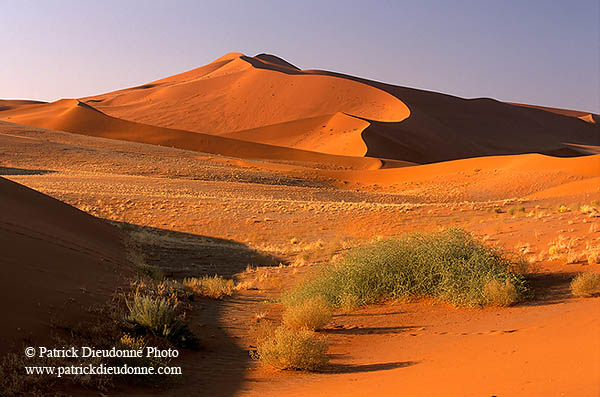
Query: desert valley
223,191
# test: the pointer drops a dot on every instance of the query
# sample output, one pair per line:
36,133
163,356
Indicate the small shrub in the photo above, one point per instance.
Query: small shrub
586,284
499,293
311,314
449,265
293,349
159,317
563,208
214,287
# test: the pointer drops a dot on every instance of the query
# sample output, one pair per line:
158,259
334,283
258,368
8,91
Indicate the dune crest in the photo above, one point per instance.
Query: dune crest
267,100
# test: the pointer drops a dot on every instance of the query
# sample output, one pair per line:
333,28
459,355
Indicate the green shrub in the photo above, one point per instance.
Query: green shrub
586,284
312,314
214,287
293,349
159,317
449,265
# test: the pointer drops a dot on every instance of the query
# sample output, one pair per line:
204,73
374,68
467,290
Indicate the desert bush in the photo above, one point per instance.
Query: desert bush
312,314
300,349
449,265
586,284
159,317
214,287
499,293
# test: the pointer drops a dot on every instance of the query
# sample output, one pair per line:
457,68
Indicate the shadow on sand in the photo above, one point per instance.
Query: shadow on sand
370,330
351,369
549,288
220,368
23,171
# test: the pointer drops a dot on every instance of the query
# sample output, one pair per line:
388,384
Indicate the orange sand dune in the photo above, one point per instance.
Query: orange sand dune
489,178
56,261
8,104
268,100
585,116
72,115
339,134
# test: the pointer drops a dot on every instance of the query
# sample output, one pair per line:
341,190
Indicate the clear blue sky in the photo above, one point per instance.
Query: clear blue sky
540,52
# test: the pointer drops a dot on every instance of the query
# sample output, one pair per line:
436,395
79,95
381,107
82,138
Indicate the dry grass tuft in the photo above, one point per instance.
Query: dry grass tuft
301,349
215,287
311,314
586,284
499,293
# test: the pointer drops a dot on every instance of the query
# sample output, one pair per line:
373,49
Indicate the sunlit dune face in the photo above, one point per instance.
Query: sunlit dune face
231,95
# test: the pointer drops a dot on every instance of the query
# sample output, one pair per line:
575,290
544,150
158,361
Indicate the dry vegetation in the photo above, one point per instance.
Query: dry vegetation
299,349
586,284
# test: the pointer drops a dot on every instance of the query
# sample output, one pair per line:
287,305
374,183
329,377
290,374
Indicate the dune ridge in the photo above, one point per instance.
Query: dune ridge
268,100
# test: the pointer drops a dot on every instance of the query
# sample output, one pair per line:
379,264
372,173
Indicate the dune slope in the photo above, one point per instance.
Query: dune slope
266,99
71,115
56,261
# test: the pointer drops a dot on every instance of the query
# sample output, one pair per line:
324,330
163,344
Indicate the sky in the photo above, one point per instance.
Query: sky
537,52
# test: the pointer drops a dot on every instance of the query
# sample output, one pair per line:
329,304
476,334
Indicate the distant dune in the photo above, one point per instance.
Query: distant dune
72,115
266,100
8,104
56,262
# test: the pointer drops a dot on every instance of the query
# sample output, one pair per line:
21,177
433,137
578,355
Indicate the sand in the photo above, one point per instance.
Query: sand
56,262
253,153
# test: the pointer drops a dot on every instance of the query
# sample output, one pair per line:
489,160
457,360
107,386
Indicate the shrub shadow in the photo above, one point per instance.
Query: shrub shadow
369,330
351,369
549,288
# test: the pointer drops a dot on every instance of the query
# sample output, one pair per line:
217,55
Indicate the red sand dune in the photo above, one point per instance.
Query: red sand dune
74,116
265,99
56,261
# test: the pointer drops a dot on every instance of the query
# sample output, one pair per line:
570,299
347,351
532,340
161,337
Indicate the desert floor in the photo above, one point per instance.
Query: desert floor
198,214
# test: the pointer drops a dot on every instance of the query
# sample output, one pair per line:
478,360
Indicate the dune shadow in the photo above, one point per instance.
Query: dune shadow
23,171
549,288
179,254
369,330
220,368
351,368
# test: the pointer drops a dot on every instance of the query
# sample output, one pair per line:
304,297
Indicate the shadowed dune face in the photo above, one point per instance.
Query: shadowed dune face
56,262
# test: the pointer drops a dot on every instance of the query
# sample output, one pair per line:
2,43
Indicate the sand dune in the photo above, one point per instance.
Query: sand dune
585,116
56,261
268,100
488,178
75,116
8,104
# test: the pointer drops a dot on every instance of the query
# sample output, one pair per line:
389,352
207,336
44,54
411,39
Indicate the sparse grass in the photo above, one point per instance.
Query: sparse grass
449,265
159,317
284,348
312,314
586,284
215,287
